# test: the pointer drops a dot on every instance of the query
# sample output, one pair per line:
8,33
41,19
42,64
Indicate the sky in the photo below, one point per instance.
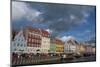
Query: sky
60,20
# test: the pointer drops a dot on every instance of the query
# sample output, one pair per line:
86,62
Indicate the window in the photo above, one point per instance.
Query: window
22,39
21,45
14,44
33,36
29,40
18,44
32,40
14,49
19,39
30,35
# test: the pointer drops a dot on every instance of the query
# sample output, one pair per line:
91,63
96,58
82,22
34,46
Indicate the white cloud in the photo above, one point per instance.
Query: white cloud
21,9
18,10
66,38
50,31
86,14
87,31
72,17
60,19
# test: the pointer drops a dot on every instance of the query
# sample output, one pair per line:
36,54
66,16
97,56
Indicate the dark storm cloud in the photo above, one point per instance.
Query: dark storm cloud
92,40
64,17
57,18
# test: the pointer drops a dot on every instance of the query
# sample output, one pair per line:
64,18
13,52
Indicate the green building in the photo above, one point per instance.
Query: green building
52,47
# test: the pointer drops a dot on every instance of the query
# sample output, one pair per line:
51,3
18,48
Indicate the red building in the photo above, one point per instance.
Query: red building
35,39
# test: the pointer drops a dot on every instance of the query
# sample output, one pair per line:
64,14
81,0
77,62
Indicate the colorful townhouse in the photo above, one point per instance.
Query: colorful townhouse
45,41
52,46
33,37
31,40
70,46
19,43
59,46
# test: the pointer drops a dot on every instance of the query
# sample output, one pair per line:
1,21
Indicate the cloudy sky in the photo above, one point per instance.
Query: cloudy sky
76,21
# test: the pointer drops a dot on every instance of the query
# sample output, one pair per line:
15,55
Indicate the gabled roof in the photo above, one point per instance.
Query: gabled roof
35,30
45,33
42,32
58,41
13,34
73,42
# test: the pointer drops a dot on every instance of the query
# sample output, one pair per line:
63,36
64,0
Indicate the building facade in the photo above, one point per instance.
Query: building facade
70,46
59,46
52,46
89,49
45,44
38,40
33,38
19,43
82,48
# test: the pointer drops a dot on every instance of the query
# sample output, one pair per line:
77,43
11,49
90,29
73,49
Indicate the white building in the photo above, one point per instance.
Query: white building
70,46
19,44
45,45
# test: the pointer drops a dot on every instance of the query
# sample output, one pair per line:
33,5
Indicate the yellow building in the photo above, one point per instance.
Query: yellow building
59,46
